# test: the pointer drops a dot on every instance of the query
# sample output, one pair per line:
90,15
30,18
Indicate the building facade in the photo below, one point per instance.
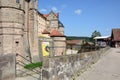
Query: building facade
42,23
53,22
115,37
49,22
21,23
59,43
49,26
18,32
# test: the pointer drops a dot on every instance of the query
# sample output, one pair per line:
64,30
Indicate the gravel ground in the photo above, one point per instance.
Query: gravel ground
107,68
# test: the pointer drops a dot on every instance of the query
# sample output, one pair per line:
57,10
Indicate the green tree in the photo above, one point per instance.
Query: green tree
95,34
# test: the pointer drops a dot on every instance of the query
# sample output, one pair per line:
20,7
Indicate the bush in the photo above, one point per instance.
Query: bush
33,65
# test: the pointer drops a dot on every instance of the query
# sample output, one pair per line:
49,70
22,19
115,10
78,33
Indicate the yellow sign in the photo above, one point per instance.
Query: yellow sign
45,48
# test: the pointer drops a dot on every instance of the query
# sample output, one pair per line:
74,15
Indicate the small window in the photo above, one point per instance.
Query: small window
0,44
17,42
33,0
17,1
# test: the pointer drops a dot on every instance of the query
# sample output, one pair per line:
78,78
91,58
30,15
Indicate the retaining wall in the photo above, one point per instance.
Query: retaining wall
7,67
66,67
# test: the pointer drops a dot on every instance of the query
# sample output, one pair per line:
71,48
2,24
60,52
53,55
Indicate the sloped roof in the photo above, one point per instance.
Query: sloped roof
73,42
116,34
56,33
45,32
60,24
45,15
56,14
102,37
40,14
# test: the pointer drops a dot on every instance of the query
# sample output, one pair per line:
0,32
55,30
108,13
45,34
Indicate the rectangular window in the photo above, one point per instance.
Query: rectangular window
17,1
17,42
33,0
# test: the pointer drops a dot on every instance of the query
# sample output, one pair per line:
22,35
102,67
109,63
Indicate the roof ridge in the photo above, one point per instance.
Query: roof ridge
45,32
56,33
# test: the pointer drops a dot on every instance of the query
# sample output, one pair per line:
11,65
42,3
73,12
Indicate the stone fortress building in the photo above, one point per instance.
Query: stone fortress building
49,22
49,26
21,30
21,24
54,22
21,27
42,23
18,32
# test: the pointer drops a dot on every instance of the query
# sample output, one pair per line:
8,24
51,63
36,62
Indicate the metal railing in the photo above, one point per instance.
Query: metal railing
21,63
67,50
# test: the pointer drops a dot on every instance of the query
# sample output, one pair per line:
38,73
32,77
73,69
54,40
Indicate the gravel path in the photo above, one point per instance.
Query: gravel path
107,68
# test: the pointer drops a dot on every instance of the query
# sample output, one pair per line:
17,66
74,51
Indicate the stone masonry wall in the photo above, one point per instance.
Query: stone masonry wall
66,67
11,31
7,67
59,45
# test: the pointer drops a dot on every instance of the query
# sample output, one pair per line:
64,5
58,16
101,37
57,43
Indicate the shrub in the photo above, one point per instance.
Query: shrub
33,65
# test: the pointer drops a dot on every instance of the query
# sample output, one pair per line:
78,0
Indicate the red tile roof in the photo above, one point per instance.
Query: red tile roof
116,34
46,15
56,33
57,14
72,42
45,32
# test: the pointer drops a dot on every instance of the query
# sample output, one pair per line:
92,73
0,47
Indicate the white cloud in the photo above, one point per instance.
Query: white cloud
54,8
43,10
78,11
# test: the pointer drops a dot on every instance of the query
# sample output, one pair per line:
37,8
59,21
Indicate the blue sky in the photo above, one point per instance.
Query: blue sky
82,17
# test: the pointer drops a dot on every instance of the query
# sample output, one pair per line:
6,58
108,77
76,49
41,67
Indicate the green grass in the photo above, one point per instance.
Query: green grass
33,65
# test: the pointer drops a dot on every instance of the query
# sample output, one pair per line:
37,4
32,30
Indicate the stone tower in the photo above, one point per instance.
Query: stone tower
33,29
12,26
18,32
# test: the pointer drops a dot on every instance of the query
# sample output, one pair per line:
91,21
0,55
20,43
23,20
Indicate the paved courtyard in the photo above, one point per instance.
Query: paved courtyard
107,68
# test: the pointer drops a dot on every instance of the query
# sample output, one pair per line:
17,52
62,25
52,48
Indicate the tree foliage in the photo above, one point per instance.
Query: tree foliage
95,34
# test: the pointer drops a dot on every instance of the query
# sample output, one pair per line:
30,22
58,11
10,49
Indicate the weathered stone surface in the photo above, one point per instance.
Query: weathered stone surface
7,67
59,45
65,67
108,67
17,28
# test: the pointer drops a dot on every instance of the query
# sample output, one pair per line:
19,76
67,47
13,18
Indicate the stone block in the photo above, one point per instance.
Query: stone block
66,67
7,67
